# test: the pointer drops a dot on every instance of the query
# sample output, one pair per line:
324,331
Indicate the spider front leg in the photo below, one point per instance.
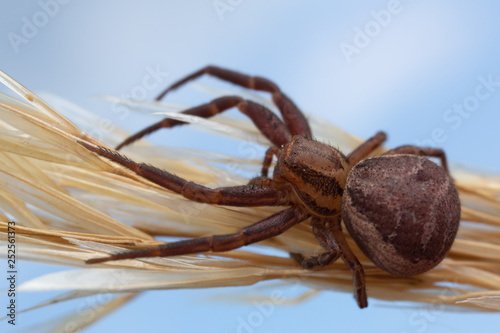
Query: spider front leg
259,231
245,196
294,119
263,118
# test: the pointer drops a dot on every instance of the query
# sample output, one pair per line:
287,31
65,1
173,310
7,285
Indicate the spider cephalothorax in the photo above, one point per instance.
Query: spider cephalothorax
386,202
317,173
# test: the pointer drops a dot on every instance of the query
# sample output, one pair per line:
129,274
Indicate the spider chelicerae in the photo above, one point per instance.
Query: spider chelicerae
318,182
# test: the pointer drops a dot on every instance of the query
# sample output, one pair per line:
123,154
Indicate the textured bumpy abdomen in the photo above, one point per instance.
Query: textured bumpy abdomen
403,211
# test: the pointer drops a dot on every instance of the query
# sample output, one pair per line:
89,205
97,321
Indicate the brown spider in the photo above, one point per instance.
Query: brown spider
311,178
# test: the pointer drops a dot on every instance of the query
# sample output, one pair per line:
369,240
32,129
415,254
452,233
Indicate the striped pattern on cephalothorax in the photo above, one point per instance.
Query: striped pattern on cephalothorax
317,173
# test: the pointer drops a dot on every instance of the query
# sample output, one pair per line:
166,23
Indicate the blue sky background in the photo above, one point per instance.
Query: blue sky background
416,69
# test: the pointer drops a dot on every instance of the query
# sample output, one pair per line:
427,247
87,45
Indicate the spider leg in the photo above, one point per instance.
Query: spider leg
261,230
268,159
314,262
294,119
358,274
363,150
326,240
265,120
246,195
421,151
331,235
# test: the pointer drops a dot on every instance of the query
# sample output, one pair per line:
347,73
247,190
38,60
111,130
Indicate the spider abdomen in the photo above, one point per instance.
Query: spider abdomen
403,211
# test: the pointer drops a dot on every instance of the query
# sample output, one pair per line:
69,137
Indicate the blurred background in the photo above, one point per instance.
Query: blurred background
426,72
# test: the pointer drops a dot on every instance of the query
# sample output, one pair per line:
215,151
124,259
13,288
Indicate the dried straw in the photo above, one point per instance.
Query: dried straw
71,205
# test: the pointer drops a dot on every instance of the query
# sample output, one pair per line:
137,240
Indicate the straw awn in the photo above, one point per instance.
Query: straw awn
71,205
402,210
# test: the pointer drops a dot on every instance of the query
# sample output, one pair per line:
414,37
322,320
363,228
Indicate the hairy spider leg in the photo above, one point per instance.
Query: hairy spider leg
243,80
358,274
325,239
363,150
245,195
268,159
264,119
295,121
261,230
293,117
421,151
328,232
